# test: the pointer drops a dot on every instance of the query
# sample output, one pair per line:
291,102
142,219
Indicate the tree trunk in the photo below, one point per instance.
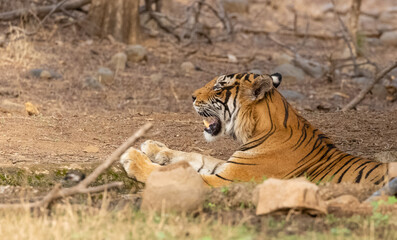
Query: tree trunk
118,18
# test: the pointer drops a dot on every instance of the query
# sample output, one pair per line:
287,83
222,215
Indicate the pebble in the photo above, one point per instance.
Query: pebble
44,73
118,61
31,109
92,83
136,53
105,76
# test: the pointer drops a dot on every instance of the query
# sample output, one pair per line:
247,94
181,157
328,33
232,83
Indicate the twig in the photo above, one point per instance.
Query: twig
7,16
364,91
58,192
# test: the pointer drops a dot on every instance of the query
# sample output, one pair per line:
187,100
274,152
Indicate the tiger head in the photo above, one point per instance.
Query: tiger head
227,101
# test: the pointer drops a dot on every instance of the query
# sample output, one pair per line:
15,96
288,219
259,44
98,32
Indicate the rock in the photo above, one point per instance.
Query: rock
31,109
344,200
44,73
281,58
379,91
311,67
291,95
231,58
136,53
387,21
290,73
362,81
236,6
187,67
8,106
105,76
91,149
386,156
389,38
92,83
175,187
118,61
279,195
255,71
156,77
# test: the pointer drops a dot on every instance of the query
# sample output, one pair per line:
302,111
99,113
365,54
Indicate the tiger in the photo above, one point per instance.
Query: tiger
275,141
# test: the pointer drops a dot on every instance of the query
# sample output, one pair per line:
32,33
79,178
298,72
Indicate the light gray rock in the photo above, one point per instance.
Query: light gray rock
92,83
281,58
362,81
9,106
44,73
290,73
291,95
389,38
236,6
118,61
187,67
311,67
105,76
176,187
136,53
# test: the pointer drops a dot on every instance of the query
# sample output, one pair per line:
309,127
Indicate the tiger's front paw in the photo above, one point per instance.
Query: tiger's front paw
136,164
152,149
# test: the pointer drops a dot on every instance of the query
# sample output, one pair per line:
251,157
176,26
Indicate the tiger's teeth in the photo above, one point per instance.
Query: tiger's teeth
206,124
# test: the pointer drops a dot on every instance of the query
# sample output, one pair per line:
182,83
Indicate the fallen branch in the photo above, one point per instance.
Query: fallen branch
57,192
364,91
40,11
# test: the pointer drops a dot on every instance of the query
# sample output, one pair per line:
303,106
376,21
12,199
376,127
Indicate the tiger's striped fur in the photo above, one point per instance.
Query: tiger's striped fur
275,140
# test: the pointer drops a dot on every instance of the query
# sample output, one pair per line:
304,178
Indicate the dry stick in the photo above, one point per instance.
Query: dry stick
7,16
58,192
363,92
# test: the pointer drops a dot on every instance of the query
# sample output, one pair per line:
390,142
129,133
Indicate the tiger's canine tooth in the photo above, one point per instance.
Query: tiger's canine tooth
206,123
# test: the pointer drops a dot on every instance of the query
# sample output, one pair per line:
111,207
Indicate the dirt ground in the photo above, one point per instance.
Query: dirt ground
74,116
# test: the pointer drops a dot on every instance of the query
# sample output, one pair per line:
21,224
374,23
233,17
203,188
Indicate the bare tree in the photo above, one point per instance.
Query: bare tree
118,18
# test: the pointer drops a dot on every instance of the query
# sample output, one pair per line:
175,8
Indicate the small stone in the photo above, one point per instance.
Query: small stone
45,74
91,149
118,61
136,53
187,67
389,38
279,195
31,109
236,6
255,71
291,95
311,67
156,77
362,81
176,187
290,73
92,83
105,76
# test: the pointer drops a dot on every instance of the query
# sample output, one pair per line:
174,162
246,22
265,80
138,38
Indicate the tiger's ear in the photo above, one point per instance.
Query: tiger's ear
260,86
276,77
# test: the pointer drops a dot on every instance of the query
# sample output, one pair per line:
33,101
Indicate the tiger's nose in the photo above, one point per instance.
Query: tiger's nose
194,98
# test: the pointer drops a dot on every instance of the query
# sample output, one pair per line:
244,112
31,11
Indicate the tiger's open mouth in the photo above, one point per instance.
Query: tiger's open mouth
212,125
